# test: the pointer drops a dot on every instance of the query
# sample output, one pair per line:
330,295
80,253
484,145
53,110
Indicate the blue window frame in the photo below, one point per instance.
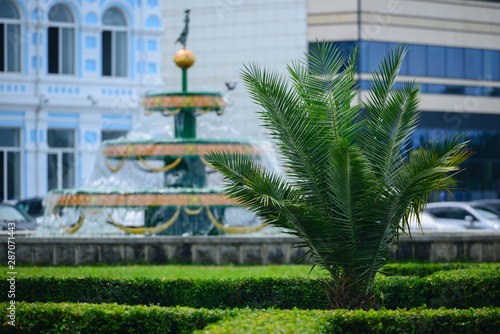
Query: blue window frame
491,65
375,52
436,64
473,64
454,62
428,60
417,57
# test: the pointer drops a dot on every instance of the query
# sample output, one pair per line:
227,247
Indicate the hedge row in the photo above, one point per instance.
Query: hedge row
253,292
462,289
112,318
426,269
452,289
386,321
108,318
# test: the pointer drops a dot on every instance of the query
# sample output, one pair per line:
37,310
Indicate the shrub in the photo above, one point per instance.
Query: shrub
112,318
453,289
350,183
457,288
344,321
414,321
108,318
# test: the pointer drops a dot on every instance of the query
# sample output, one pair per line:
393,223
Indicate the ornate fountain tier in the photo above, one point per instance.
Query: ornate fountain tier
165,211
173,102
182,160
139,198
174,148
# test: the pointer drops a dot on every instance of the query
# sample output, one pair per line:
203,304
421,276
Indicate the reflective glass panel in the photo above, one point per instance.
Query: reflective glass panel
481,175
436,63
417,60
13,175
51,171
106,53
53,50
2,47
68,47
376,52
454,62
10,137
61,138
13,48
113,17
60,13
491,65
473,64
68,170
121,53
112,134
8,10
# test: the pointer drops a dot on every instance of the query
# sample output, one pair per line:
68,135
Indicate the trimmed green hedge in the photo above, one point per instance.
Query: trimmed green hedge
452,289
385,321
415,321
112,318
462,288
426,269
253,292
108,318
270,321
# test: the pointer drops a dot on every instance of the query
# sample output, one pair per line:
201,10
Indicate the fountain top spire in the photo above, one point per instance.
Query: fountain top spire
184,58
183,37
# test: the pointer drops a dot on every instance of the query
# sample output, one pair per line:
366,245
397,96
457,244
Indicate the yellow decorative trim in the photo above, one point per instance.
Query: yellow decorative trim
194,200
70,229
230,229
147,230
157,101
93,211
117,168
202,111
190,149
205,162
193,212
161,169
172,112
130,150
148,112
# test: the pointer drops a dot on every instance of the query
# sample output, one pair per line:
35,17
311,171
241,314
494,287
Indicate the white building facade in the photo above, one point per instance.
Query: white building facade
72,73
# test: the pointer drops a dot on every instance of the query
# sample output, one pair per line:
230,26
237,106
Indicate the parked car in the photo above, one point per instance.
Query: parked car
428,223
494,203
11,214
33,207
466,215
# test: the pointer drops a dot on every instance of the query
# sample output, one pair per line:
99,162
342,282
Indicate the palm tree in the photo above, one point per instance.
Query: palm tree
351,182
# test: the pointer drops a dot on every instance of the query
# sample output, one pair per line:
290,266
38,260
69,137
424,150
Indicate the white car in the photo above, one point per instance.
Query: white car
429,224
465,215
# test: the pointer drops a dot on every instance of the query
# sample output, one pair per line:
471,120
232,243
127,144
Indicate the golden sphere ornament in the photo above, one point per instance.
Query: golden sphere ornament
184,58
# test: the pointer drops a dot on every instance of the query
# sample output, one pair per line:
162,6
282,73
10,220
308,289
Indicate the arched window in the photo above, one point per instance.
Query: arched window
114,44
61,40
10,41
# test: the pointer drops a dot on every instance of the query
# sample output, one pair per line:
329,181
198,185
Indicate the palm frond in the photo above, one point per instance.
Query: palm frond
351,180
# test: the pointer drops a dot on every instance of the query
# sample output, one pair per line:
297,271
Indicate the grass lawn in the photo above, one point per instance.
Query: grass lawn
159,271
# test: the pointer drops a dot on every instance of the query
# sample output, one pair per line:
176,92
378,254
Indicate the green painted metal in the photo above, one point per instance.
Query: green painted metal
185,124
185,120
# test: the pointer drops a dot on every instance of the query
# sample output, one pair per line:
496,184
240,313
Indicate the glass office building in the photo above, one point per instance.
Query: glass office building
481,176
453,53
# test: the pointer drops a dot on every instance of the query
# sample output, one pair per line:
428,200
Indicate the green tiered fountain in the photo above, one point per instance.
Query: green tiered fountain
185,204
